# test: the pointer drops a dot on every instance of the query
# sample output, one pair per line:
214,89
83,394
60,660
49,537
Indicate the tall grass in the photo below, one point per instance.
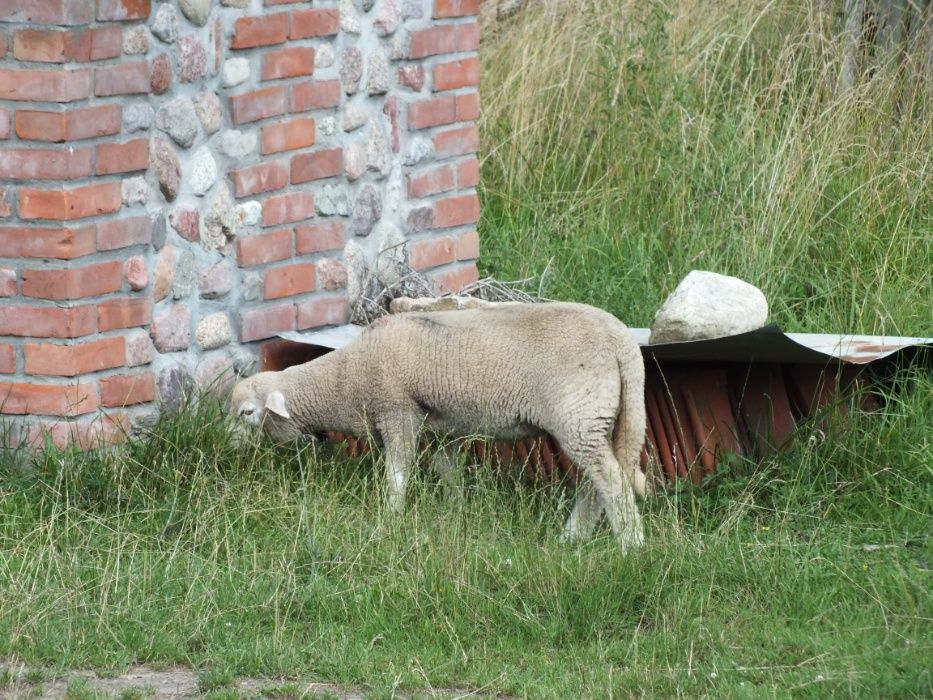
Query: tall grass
627,143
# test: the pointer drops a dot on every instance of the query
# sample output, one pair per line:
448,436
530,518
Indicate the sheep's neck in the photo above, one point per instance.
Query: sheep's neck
322,396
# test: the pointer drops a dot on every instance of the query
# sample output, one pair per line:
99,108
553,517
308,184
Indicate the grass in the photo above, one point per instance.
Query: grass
623,147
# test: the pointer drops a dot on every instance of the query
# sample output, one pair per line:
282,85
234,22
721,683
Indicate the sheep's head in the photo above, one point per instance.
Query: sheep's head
258,402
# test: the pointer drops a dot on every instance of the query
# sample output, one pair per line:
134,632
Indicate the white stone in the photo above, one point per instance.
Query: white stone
214,331
324,56
134,190
327,126
250,213
399,46
238,144
378,157
332,199
165,23
137,117
419,148
354,116
379,75
354,161
196,11
203,171
251,286
136,41
235,71
349,18
178,119
709,305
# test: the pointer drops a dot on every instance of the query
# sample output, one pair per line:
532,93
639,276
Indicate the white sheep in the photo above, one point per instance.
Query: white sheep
507,371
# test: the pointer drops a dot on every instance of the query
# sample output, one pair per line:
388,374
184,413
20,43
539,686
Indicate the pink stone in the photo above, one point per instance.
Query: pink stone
390,108
411,77
171,331
332,274
163,274
138,349
389,17
215,373
136,273
187,223
160,78
192,59
215,281
7,283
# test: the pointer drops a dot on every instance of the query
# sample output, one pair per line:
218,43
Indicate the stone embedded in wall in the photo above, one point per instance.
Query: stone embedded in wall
214,331
187,223
192,59
238,144
379,75
139,349
332,274
196,11
175,386
349,19
324,56
160,77
134,190
166,168
178,119
137,117
351,69
388,18
354,161
209,111
333,199
136,41
235,71
171,330
162,283
419,149
216,281
251,286
220,221
216,374
378,157
354,116
165,23
203,171
136,273
411,76
184,276
367,209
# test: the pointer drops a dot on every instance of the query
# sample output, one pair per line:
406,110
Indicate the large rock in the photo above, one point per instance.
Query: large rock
709,305
196,11
178,119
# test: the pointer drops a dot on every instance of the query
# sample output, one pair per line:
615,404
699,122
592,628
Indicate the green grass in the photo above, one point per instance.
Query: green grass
623,146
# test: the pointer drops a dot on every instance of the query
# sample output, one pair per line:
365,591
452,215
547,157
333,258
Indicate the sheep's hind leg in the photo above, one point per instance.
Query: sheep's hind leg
401,442
585,514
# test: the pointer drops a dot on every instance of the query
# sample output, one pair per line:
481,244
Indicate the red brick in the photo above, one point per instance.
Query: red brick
456,74
433,41
86,123
316,238
4,123
468,173
48,399
126,312
106,42
288,136
47,46
60,243
124,232
455,8
7,359
468,246
264,248
3,43
38,85
282,2
431,181
455,280
323,311
45,163
65,205
289,280
315,94
288,63
431,252
312,23
6,208
467,107
432,112
64,12
456,211
127,389
48,321
266,30
287,208
122,79
456,142
72,360
262,177
123,10
258,104
317,165
468,36
53,46
73,283
266,321
122,157
99,431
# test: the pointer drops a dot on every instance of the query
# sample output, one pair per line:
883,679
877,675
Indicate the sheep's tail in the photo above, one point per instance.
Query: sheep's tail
628,437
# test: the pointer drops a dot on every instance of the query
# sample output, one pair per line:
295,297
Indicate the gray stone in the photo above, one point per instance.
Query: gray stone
139,349
137,116
216,281
388,18
378,157
349,18
175,387
178,119
197,11
324,56
244,364
184,277
379,76
419,219
134,190
159,231
412,9
136,41
236,71
364,5
354,116
399,46
235,3
419,148
238,144
327,126
351,69
216,374
203,171
165,23
251,286
214,331
192,59
165,166
367,210
391,263
209,111
709,305
171,330
331,200
221,220
354,161
249,213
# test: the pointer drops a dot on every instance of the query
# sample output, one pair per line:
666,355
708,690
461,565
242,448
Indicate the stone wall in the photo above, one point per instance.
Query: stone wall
181,180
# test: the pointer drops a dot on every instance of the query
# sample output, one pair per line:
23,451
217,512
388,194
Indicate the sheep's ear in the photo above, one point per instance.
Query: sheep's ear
275,402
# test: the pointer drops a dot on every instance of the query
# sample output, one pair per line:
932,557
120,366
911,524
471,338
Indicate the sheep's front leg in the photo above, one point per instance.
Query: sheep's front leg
400,438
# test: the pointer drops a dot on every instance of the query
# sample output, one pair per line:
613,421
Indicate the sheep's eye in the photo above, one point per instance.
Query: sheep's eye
247,411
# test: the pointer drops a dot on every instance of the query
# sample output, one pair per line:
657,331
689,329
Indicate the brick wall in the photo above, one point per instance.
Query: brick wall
181,180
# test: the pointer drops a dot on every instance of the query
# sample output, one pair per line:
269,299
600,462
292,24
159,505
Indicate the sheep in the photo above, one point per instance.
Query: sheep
506,371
